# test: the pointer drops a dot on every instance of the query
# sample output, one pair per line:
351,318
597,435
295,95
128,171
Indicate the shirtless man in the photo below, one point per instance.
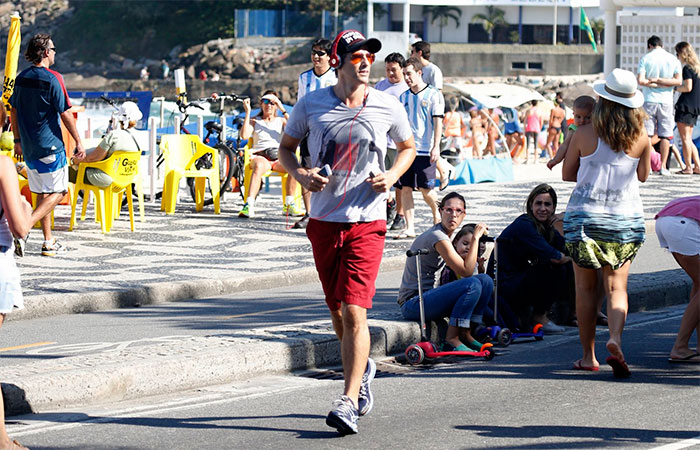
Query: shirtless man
556,118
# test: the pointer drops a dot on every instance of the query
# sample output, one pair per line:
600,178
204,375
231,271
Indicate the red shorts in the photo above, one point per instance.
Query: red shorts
347,257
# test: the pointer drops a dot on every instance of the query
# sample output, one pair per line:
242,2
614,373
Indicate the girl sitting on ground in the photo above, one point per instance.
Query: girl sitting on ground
459,299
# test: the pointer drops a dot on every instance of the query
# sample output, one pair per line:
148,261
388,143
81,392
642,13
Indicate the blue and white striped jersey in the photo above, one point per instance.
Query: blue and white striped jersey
309,82
421,108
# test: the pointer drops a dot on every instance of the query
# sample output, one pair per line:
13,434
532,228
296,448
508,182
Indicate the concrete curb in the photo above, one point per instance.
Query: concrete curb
150,294
200,361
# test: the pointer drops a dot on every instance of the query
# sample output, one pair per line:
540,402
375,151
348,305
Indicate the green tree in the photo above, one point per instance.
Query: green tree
443,14
598,25
494,16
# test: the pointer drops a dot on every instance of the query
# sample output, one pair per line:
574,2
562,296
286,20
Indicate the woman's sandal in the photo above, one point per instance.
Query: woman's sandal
404,235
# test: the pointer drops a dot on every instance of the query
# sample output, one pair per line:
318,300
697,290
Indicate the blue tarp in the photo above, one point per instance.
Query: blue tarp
472,171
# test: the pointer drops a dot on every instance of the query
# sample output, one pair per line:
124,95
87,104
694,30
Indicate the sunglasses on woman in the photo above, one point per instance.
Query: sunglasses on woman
266,101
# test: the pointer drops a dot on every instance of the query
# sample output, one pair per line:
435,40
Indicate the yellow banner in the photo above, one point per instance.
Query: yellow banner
14,40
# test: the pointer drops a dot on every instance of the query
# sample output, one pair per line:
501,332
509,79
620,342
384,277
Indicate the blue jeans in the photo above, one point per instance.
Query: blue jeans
462,300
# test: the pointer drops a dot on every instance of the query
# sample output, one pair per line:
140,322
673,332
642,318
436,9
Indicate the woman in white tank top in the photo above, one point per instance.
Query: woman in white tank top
266,130
604,221
15,219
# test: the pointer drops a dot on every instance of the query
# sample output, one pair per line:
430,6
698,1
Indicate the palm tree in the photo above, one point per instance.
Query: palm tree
494,16
443,14
597,26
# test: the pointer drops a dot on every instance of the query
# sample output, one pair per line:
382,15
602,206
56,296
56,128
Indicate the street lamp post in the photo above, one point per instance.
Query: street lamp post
335,19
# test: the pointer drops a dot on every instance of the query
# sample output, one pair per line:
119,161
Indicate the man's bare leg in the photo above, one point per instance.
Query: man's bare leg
355,345
45,203
431,198
408,207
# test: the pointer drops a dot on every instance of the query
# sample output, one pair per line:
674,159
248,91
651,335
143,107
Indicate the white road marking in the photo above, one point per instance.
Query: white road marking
679,445
195,399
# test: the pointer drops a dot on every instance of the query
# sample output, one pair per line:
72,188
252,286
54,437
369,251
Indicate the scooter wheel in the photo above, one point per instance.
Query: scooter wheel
505,337
489,354
415,354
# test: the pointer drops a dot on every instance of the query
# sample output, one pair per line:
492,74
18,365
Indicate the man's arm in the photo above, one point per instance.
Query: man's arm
405,154
15,131
69,122
670,82
437,135
308,178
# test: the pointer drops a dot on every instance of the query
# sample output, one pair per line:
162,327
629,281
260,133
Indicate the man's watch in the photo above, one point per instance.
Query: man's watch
17,140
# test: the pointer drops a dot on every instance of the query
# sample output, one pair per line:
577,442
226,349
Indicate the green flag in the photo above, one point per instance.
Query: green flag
586,26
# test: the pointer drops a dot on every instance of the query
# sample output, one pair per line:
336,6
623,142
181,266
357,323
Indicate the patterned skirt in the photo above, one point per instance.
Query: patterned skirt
594,240
592,254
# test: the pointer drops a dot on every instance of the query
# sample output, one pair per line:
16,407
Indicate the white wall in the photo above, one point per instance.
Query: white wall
671,29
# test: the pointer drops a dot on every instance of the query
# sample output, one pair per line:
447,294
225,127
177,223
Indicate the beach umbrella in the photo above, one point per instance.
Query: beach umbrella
14,39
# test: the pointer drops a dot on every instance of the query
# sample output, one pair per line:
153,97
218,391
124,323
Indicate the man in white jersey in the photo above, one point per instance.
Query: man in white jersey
347,127
431,73
425,107
395,85
658,73
321,75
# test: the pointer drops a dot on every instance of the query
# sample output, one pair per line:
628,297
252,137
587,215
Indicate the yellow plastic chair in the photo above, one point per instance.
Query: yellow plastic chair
123,168
283,175
180,151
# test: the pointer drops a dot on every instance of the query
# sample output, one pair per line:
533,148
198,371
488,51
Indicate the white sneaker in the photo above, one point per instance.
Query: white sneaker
552,328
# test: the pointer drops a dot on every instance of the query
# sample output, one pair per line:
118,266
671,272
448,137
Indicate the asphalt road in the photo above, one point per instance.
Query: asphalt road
79,334
525,398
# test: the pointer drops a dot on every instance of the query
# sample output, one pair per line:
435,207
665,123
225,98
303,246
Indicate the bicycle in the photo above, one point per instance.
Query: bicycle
230,151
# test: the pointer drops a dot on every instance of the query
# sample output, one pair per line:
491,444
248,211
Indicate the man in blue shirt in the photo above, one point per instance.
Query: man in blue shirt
39,103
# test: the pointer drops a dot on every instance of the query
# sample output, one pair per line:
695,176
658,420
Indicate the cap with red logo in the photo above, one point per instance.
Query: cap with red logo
349,41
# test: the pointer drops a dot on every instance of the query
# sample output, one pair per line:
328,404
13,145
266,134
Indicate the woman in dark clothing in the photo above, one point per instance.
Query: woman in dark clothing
533,271
688,105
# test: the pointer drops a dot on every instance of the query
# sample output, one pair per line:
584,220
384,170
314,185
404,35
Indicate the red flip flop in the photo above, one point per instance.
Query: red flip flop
620,369
579,366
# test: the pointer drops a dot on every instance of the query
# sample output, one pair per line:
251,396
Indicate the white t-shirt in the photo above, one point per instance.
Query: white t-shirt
421,108
432,75
267,134
395,89
352,141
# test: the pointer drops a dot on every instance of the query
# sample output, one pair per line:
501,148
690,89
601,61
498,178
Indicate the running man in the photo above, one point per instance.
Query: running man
347,127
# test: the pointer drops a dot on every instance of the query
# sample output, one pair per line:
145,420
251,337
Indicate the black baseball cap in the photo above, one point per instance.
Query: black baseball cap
350,41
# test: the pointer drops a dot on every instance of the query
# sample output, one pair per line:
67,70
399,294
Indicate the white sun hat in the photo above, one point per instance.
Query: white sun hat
620,86
130,111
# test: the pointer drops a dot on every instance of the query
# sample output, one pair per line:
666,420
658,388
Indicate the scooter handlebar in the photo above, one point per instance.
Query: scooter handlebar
420,251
